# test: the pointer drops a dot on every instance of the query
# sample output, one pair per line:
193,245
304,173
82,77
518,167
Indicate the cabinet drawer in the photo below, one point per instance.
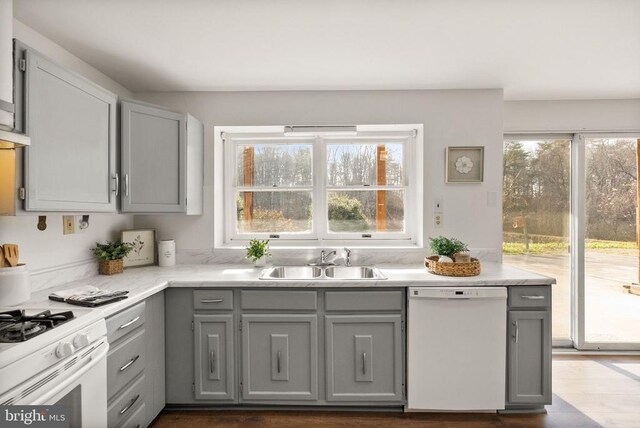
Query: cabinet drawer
279,299
529,297
364,300
127,404
124,322
213,299
136,420
125,362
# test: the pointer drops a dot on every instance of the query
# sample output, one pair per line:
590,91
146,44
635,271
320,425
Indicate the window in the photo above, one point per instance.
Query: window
321,185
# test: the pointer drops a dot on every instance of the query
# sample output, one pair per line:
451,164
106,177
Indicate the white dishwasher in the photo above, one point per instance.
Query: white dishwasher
456,348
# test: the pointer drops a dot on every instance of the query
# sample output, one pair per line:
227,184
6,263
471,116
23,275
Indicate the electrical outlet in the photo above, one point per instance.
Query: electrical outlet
82,223
68,224
437,220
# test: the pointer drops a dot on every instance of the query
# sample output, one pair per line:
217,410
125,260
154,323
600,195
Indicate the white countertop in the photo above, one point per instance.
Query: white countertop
146,281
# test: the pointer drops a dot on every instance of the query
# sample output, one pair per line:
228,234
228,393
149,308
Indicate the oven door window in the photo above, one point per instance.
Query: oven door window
73,403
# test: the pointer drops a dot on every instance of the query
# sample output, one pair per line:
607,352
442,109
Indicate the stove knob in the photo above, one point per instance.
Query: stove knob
64,350
81,340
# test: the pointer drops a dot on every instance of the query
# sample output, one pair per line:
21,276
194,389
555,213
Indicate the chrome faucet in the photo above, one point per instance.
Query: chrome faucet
323,258
347,256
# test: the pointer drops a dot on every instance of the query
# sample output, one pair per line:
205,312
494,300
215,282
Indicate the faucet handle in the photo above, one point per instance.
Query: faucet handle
347,257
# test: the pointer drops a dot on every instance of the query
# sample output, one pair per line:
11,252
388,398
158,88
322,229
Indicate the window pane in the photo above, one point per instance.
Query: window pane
535,209
358,164
356,211
274,212
274,165
611,250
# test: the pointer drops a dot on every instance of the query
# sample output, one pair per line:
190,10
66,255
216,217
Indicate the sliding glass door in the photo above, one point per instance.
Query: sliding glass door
609,313
570,210
536,228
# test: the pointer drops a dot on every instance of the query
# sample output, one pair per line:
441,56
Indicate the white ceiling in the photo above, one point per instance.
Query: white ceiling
534,49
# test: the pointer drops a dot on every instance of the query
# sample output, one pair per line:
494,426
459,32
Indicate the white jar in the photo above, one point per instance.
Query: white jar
15,285
167,253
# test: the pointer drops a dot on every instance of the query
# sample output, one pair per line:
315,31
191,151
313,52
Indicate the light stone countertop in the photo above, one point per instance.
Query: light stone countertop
146,281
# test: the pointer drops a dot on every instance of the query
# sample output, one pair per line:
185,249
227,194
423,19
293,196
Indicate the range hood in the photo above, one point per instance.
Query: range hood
11,138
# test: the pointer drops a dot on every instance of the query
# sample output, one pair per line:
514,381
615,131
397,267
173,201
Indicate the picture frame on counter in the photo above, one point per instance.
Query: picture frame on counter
144,247
464,164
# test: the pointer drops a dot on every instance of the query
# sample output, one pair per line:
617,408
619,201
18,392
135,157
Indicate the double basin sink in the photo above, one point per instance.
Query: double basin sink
322,273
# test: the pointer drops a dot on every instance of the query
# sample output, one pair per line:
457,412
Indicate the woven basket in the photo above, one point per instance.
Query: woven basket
110,267
452,269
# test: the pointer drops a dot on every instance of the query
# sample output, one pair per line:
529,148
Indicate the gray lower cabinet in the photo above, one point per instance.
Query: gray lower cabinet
279,357
136,363
529,347
284,346
214,357
161,160
364,358
71,163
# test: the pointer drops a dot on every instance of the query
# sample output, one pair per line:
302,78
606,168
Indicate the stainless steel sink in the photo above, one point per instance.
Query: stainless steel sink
292,272
322,273
353,272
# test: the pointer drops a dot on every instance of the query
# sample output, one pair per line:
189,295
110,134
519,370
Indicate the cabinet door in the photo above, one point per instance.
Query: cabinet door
279,357
70,165
364,358
154,161
529,357
214,357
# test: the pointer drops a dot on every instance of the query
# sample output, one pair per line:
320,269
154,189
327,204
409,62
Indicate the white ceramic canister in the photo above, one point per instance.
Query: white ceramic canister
167,252
15,285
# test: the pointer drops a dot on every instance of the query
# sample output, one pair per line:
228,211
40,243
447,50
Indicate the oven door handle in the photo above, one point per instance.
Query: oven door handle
99,354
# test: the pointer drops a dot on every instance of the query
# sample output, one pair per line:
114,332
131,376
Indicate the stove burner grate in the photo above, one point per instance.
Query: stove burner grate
16,326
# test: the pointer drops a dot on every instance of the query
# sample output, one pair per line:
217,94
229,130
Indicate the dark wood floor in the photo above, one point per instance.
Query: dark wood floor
588,391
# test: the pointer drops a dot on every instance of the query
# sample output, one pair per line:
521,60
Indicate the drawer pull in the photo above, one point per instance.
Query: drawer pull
533,297
127,324
364,363
211,300
212,360
126,366
128,406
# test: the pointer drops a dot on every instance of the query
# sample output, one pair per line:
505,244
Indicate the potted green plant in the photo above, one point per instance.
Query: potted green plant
258,251
110,256
447,247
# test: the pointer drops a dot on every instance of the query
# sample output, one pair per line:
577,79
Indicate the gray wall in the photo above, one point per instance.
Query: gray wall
450,118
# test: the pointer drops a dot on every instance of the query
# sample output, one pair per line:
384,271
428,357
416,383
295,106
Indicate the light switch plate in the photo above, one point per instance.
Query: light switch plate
68,224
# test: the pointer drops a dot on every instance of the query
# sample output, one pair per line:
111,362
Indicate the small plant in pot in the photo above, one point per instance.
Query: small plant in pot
258,251
110,256
449,248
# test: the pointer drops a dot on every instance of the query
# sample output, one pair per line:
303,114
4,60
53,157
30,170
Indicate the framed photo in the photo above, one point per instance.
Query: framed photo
144,247
464,164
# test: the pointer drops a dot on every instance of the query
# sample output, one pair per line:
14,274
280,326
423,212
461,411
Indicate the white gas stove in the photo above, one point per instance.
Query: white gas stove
53,356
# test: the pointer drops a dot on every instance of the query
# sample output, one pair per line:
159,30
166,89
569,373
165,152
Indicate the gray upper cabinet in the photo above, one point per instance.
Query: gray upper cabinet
161,160
364,358
279,357
71,164
214,372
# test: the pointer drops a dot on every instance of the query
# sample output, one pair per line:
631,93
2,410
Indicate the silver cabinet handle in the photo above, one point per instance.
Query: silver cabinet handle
211,300
278,362
533,297
127,324
212,362
364,363
128,406
126,184
515,335
126,366
116,178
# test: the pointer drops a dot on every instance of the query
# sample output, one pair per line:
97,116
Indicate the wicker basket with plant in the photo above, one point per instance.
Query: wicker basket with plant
110,256
451,258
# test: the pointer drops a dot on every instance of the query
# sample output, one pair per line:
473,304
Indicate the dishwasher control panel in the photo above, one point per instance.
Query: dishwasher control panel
458,293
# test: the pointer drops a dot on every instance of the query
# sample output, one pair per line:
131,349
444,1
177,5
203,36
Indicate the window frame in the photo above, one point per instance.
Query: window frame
410,136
